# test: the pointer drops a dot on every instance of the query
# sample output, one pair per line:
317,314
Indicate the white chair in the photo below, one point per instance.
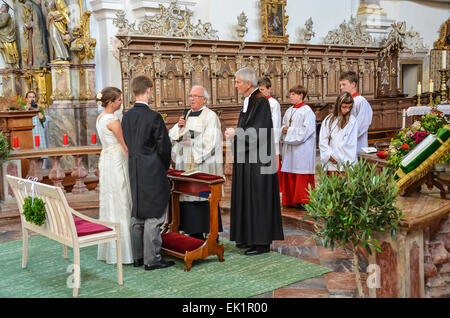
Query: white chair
64,225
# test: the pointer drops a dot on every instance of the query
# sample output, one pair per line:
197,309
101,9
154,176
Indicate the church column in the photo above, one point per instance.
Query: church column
108,66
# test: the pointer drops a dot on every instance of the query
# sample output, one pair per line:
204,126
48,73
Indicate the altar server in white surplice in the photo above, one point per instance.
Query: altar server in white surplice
362,111
265,86
298,138
338,136
197,144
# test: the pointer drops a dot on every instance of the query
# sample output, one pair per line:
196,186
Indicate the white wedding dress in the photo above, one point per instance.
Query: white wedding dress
115,193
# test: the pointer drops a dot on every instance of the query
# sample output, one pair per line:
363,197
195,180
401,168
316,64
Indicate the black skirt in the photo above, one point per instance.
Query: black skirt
194,217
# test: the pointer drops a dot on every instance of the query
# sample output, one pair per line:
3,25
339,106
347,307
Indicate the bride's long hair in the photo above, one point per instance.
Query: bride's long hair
343,98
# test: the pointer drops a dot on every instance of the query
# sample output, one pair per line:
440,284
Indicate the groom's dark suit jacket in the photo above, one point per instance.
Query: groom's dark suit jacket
149,151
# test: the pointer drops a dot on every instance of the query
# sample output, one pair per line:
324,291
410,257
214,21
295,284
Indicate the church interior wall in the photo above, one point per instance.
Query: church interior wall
326,15
425,17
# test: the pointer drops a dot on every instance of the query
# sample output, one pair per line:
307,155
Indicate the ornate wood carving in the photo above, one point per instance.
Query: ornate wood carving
175,65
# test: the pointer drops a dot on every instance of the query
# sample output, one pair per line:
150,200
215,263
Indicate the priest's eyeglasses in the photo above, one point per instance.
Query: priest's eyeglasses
195,96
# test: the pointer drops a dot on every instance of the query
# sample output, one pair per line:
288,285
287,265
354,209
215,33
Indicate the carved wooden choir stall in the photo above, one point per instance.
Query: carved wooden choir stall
175,65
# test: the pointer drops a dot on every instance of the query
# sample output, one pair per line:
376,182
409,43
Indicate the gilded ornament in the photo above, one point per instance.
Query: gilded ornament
172,21
352,33
274,19
444,40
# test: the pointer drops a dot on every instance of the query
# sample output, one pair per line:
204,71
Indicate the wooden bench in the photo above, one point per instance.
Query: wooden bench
183,246
64,225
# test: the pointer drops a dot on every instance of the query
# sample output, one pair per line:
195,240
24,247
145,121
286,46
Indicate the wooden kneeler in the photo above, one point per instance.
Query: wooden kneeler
183,246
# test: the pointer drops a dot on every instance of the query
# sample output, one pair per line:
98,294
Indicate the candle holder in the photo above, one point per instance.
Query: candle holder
443,88
418,100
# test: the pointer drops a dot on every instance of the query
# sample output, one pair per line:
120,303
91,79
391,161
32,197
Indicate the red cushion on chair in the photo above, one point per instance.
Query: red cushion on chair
180,243
86,228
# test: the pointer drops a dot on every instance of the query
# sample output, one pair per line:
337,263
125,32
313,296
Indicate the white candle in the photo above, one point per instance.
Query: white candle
431,86
444,59
419,89
404,118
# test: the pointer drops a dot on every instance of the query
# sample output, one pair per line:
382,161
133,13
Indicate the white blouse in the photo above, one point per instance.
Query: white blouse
338,143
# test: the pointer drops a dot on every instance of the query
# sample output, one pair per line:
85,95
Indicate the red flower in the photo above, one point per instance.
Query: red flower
405,146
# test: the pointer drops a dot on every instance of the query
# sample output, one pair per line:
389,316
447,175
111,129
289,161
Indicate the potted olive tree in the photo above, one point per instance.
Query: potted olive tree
352,206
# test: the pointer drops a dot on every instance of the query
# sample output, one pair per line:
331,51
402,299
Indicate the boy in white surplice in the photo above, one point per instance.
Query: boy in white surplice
348,82
298,138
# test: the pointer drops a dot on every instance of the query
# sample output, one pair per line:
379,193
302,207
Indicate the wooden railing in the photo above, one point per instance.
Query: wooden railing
56,174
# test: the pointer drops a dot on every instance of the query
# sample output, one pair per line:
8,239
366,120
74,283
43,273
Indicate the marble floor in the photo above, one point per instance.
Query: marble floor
299,243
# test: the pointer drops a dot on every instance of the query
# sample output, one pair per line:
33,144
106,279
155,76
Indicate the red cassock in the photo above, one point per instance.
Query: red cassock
295,188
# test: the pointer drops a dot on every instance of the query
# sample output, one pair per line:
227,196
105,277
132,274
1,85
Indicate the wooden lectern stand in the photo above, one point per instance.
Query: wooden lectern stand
19,124
183,246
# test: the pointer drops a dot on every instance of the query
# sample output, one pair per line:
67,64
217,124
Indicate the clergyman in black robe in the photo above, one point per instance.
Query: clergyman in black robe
255,218
149,152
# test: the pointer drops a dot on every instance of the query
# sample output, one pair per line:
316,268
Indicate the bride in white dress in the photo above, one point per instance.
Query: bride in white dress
115,195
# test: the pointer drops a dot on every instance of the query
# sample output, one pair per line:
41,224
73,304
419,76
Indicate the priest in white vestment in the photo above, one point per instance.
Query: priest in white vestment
338,136
298,150
197,145
362,110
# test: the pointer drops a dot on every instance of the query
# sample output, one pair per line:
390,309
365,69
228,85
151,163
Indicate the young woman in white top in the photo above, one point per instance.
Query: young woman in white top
339,135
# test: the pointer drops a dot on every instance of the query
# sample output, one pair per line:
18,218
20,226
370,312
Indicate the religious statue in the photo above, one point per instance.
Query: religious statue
58,18
8,45
242,28
31,34
309,30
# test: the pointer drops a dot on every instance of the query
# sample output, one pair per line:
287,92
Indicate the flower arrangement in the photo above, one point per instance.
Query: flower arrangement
409,137
20,100
15,103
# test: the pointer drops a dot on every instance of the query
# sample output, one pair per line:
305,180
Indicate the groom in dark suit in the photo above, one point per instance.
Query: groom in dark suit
149,151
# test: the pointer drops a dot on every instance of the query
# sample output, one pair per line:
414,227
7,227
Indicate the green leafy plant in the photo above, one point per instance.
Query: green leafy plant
4,148
352,207
34,210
